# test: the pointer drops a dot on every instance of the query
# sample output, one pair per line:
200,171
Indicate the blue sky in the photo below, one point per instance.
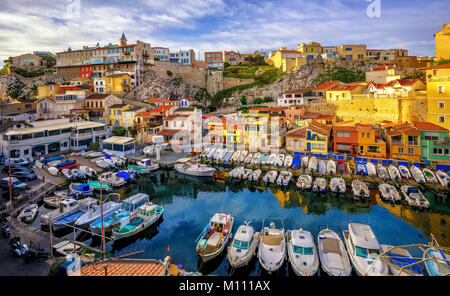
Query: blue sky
204,25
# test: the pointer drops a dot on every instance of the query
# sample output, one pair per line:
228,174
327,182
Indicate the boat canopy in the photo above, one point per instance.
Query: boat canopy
136,198
220,218
302,238
122,174
82,187
244,233
412,190
363,236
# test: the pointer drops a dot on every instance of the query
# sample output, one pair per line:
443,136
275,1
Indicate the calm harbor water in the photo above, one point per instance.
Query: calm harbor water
190,202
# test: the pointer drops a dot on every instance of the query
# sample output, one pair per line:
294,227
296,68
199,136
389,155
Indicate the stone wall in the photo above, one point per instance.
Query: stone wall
229,82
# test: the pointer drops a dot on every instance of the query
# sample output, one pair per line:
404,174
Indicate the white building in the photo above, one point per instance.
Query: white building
298,97
99,85
186,102
119,146
161,53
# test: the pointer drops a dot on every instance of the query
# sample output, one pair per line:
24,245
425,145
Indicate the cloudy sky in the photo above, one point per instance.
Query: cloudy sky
54,25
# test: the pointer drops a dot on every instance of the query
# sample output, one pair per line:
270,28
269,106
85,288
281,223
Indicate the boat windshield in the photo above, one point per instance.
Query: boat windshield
367,253
304,251
240,244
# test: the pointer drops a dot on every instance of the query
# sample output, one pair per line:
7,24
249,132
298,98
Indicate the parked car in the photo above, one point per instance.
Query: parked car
4,183
23,175
16,168
18,161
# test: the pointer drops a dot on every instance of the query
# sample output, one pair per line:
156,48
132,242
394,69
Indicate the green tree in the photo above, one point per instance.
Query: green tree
51,61
440,62
133,131
119,131
169,73
226,65
268,99
342,74
416,75
244,100
257,101
94,146
257,60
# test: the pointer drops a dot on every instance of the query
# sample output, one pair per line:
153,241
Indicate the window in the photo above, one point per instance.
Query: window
373,149
400,150
413,140
441,89
438,151
410,150
441,105
441,119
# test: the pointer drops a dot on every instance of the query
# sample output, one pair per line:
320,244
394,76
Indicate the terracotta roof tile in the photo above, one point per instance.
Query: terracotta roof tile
326,85
301,133
428,126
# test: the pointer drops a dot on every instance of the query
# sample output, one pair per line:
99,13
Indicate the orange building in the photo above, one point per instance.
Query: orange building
402,141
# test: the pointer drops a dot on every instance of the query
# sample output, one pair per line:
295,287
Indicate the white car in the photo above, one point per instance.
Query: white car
4,183
16,161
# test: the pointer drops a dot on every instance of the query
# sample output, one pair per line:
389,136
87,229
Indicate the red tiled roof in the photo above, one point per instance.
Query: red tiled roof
289,51
144,114
162,108
435,67
350,128
310,115
382,67
428,126
297,133
158,100
323,116
170,132
190,99
326,84
344,87
320,128
172,117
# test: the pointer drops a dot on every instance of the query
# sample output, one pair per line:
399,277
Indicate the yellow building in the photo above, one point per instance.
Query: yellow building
311,50
296,140
403,141
438,92
317,137
48,90
115,114
118,83
129,115
443,43
352,52
287,60
343,92
369,142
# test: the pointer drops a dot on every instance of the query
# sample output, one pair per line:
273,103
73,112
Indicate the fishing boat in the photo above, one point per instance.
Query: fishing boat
145,216
333,257
270,177
111,179
216,154
246,173
417,175
302,252
322,168
193,167
389,193
304,182
221,155
404,172
364,250
121,216
382,172
284,178
127,175
64,206
242,156
337,185
255,175
227,156
95,214
414,197
443,178
371,170
248,159
243,246
139,169
312,165
215,236
66,219
288,161
304,162
205,152
264,158
361,168
280,160
296,162
272,158
78,174
440,265
53,171
53,201
28,214
80,189
95,185
401,261
94,154
272,245
236,172
351,166
256,158
68,174
211,153
331,167
101,163
340,166
429,176
147,163
360,189
235,156
88,171
320,185
394,173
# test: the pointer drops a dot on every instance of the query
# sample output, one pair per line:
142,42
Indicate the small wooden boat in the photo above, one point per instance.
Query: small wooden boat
256,158
242,156
243,246
322,167
399,258
320,185
351,166
255,175
389,193
53,201
404,172
331,167
394,173
382,172
284,178
304,182
28,214
270,177
429,176
90,216
222,154
361,168
280,160
215,236
417,175
227,157
312,165
193,167
414,197
302,252
337,185
272,158
439,265
443,178
304,162
371,170
333,256
288,161
360,189
68,218
53,171
264,158
248,159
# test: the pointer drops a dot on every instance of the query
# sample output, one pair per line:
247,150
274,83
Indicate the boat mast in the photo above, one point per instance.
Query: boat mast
10,183
101,218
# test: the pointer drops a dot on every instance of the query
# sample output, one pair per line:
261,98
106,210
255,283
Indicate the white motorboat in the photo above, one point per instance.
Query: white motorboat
242,156
272,158
243,246
28,214
235,156
78,174
256,158
255,175
222,154
88,171
272,246
360,189
148,163
371,170
304,162
337,185
331,167
80,189
333,257
304,182
364,250
401,258
284,178
322,167
236,172
320,185
215,236
246,173
94,214
389,193
288,161
394,173
404,172
280,160
68,174
417,175
264,158
270,177
312,165
112,179
443,178
382,172
53,201
68,218
248,159
205,152
217,153
302,252
414,197
94,154
211,152
429,176
440,265
65,206
53,171
194,168
227,156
